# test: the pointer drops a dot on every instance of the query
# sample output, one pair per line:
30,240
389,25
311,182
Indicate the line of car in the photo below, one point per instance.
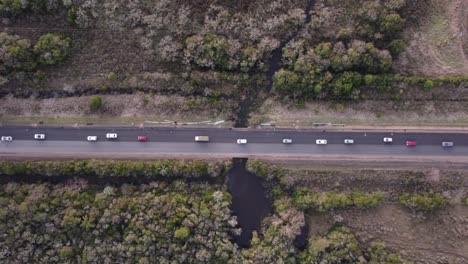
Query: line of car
240,141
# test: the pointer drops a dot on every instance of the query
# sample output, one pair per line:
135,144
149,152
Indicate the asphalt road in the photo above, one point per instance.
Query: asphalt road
165,140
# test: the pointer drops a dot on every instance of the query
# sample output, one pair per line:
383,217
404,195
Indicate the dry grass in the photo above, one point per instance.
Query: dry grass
117,109
437,46
370,112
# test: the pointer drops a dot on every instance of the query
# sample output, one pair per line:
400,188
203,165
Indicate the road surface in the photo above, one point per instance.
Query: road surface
267,142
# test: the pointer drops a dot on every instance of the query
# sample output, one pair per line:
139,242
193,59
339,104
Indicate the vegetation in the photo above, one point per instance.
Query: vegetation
465,201
52,48
342,246
155,223
95,103
326,201
18,55
165,169
425,202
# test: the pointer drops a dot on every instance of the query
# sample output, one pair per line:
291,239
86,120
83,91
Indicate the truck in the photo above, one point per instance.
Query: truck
202,138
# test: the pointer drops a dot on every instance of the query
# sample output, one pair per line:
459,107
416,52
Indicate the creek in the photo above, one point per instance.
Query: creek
274,64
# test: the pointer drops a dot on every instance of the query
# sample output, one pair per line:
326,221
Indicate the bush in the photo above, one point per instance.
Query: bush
95,103
428,85
326,201
465,201
425,202
366,200
52,48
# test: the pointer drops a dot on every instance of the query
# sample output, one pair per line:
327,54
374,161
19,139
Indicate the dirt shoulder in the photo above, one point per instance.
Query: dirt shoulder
129,109
373,113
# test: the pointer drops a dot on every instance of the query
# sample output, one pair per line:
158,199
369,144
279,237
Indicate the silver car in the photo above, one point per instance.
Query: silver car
287,141
349,141
447,144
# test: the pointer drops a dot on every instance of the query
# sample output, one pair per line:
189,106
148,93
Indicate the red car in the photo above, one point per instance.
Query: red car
142,138
411,143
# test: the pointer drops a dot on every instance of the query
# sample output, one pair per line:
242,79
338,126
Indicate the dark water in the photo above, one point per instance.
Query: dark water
301,241
249,201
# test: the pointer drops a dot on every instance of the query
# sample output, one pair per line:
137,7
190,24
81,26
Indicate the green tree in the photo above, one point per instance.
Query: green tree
391,24
182,233
347,83
287,82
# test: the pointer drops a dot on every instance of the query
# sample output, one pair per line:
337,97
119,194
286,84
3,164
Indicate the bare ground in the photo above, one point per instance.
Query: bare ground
439,237
438,44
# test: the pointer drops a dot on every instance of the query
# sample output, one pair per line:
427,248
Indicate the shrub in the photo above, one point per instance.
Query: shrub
424,202
338,246
52,48
112,76
326,201
465,201
428,85
95,103
366,200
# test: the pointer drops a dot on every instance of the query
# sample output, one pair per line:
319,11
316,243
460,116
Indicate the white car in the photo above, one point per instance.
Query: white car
92,138
7,138
111,135
242,141
349,141
388,140
287,141
39,136
321,142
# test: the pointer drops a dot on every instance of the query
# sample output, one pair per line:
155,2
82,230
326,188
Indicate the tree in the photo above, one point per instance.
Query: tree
347,83
182,233
391,24
95,103
52,48
287,83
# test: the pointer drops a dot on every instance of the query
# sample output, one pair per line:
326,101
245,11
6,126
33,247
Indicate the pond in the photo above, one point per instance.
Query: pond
249,201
